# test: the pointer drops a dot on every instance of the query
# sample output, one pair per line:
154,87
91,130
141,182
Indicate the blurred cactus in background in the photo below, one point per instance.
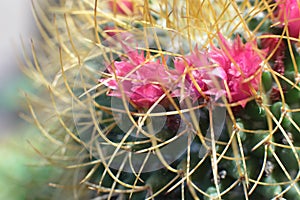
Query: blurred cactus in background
144,99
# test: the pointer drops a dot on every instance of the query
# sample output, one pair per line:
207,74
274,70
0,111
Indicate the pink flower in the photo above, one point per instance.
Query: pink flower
142,81
289,14
241,63
198,75
124,7
146,95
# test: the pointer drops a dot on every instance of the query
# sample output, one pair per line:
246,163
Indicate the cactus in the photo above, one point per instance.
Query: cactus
170,99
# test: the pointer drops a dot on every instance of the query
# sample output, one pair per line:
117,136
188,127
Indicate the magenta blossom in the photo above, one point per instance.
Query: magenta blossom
198,74
142,81
242,65
124,7
289,14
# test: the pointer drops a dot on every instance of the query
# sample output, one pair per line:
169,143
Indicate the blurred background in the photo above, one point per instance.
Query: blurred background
16,21
22,176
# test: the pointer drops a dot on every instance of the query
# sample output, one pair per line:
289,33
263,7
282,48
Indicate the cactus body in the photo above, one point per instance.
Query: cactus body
171,99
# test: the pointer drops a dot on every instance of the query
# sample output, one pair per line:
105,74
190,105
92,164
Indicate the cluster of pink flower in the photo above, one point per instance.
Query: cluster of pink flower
233,70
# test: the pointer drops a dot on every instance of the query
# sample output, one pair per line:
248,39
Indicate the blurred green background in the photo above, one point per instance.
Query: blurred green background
23,173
